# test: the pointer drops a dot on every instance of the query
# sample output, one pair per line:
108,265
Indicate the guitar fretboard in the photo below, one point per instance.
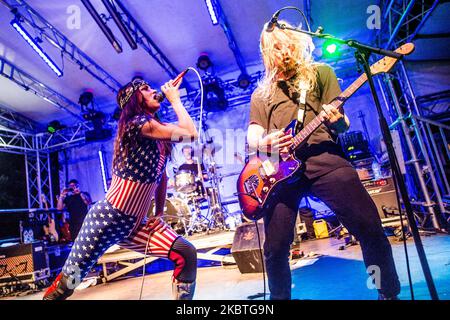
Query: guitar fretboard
320,118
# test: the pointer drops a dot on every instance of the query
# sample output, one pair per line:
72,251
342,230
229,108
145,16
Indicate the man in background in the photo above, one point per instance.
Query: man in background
76,202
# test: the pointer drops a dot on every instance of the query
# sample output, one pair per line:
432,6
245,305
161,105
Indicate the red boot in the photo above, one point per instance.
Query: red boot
58,290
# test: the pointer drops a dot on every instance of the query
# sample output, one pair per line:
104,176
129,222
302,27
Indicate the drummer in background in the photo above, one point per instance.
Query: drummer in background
189,163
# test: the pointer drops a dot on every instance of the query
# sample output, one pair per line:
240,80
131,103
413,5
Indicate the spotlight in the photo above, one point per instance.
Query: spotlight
244,81
98,120
29,39
331,49
54,126
108,33
203,62
212,12
116,17
86,99
214,94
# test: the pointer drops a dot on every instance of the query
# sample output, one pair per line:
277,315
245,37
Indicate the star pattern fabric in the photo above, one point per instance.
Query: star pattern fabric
105,226
102,227
137,171
142,159
121,217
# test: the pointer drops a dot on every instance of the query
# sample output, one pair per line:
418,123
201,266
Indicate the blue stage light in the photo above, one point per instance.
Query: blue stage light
212,12
18,27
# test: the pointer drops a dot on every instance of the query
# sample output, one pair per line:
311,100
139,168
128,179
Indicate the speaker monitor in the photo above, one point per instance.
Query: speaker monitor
23,263
382,192
245,248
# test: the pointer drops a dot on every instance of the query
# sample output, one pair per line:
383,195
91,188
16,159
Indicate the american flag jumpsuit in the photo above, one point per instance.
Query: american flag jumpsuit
121,217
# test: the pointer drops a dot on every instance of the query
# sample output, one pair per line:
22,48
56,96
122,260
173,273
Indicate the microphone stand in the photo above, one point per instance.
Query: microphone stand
362,55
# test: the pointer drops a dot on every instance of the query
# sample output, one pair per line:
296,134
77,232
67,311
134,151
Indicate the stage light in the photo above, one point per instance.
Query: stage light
203,62
99,133
116,17
108,33
54,126
331,49
215,99
244,81
101,157
212,12
27,37
86,98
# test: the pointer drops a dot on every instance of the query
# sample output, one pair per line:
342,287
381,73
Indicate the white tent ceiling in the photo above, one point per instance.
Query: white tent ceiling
182,29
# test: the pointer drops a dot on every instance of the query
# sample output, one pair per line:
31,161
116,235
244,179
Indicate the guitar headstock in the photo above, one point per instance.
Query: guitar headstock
386,64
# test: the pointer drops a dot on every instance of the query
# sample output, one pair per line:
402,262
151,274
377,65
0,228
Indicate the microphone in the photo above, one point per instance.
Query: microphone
273,22
160,96
179,77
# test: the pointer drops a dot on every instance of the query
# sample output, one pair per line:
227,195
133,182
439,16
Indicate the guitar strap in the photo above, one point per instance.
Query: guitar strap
301,113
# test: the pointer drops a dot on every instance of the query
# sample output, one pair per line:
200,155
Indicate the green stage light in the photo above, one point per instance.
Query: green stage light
331,49
54,126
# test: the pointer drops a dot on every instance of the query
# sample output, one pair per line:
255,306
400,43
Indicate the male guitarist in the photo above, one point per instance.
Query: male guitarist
295,87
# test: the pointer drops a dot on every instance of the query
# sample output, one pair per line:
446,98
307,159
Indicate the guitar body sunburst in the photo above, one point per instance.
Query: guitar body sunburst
258,180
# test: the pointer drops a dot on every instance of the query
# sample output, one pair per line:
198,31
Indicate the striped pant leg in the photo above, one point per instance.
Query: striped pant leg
103,227
164,242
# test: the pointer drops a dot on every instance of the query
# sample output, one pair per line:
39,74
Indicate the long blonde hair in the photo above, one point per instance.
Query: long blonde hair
286,52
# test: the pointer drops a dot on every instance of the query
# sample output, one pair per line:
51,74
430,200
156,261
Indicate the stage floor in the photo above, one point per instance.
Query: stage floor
336,274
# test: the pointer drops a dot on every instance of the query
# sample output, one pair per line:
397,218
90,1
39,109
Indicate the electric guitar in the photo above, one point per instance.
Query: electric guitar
51,229
260,176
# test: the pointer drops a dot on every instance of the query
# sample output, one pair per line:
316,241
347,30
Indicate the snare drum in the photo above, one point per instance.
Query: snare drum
185,181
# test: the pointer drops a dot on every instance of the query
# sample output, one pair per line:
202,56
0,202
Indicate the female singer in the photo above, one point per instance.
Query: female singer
141,150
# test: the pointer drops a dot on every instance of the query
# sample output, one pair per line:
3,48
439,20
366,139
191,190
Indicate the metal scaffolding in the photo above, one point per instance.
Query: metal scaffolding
146,42
37,149
402,20
13,120
223,21
29,83
39,182
48,32
235,95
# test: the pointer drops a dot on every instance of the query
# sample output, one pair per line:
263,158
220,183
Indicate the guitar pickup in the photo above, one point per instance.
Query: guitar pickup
268,168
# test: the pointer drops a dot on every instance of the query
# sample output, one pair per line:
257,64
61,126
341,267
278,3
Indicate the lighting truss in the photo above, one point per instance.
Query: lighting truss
36,47
223,21
401,20
102,25
57,39
144,40
115,16
13,120
27,82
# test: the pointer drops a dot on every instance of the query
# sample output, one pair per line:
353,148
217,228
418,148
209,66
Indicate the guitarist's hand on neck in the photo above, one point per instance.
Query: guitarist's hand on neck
336,120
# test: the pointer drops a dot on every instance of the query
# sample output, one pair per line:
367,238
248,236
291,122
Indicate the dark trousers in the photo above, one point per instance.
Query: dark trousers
342,191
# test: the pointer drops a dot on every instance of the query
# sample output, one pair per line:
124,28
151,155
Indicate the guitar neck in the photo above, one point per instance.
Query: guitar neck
320,118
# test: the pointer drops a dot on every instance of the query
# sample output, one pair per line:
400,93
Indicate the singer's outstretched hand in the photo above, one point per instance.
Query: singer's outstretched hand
172,93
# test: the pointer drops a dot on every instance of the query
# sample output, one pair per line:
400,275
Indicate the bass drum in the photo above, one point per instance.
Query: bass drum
176,214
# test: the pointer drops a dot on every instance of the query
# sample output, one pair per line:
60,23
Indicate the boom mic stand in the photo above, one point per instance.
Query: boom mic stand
362,56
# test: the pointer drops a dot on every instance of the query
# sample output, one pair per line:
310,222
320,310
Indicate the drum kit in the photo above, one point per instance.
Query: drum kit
194,203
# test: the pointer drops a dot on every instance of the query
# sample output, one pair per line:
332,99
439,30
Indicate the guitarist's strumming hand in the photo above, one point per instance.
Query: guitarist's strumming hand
277,141
335,119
